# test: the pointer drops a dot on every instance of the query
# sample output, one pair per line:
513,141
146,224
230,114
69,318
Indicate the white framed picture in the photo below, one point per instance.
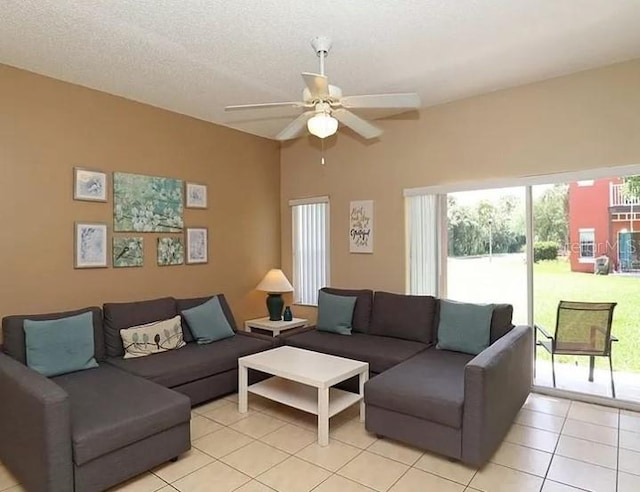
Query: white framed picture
89,185
196,195
197,245
361,227
90,245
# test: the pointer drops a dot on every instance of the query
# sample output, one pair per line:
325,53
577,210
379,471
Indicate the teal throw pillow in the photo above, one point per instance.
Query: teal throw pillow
464,327
207,322
60,346
335,313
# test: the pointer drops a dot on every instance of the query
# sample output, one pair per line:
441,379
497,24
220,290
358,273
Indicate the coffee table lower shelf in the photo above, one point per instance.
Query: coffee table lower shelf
302,396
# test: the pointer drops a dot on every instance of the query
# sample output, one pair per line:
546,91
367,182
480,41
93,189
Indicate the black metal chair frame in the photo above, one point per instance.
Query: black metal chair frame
550,345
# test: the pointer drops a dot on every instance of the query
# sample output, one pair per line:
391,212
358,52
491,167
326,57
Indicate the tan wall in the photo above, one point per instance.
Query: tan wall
582,121
47,127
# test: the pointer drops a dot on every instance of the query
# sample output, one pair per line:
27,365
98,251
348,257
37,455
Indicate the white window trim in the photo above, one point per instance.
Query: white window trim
542,179
586,259
311,201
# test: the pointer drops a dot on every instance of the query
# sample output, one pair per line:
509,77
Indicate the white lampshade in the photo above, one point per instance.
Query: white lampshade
275,281
322,125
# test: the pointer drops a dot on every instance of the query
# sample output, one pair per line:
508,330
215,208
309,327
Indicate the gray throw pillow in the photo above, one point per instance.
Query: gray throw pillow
335,313
464,327
208,322
60,346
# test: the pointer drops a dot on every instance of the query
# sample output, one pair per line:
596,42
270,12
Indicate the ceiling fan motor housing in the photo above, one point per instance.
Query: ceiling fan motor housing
335,94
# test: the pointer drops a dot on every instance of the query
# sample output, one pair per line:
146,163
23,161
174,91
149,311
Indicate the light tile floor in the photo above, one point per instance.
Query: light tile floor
555,446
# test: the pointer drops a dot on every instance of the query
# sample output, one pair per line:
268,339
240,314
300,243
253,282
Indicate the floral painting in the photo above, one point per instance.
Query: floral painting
127,252
361,227
146,203
90,245
170,251
89,185
197,245
196,195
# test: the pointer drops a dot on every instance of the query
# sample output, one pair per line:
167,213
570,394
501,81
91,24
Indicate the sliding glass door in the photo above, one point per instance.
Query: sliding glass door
533,246
486,252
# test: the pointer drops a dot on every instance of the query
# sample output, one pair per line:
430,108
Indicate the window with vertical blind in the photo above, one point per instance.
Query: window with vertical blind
310,248
423,247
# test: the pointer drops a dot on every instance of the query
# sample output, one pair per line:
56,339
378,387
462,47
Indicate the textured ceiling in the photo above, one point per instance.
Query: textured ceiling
196,56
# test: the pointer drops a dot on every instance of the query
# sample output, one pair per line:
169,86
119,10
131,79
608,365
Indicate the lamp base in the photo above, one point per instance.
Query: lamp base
275,304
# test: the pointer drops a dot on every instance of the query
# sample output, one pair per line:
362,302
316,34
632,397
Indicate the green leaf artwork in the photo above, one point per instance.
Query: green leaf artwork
146,203
127,252
170,251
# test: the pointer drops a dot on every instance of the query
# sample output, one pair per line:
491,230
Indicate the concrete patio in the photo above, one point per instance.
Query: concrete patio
576,378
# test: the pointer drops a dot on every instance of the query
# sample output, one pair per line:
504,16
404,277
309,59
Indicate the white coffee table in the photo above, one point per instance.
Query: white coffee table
303,379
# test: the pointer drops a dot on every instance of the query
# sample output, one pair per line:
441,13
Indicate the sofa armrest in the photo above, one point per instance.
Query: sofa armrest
496,384
275,341
35,428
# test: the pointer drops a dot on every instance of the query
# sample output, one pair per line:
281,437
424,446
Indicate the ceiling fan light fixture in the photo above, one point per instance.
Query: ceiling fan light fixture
322,125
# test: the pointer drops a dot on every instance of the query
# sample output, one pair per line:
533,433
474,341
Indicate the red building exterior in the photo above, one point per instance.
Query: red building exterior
602,221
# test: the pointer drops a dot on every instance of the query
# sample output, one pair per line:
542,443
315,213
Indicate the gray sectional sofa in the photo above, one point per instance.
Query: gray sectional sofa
452,403
89,430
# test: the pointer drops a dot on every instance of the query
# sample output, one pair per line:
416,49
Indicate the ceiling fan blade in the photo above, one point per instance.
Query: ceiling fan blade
391,101
296,127
317,84
357,124
292,104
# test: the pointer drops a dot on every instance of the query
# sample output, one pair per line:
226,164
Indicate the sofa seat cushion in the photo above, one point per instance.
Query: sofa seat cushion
429,386
111,409
193,361
381,353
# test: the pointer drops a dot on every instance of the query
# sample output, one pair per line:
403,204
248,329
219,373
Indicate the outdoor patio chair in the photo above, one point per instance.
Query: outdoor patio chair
582,328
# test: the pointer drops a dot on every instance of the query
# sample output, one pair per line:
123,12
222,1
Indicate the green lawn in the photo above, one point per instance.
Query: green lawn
554,281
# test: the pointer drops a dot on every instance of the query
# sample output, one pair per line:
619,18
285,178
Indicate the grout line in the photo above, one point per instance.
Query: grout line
555,448
618,455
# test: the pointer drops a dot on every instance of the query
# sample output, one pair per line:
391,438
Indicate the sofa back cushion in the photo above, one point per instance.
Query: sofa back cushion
361,322
120,315
14,338
184,304
501,321
402,316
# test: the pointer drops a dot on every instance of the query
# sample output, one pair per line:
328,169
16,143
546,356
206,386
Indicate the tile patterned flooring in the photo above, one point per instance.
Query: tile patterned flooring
555,445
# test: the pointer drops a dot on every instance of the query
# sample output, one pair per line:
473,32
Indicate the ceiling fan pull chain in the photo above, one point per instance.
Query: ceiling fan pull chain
322,151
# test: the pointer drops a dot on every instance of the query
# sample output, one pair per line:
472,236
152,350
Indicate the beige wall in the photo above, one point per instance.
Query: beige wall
582,121
48,126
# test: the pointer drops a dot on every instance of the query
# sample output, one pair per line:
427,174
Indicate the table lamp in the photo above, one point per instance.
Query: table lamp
274,284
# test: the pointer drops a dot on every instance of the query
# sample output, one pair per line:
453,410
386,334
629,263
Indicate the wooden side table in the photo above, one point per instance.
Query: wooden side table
275,327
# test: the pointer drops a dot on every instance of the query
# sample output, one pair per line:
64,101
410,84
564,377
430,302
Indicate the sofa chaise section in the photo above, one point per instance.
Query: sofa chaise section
75,432
122,425
451,403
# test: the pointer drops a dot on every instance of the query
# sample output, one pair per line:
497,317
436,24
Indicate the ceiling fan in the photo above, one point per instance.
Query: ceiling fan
325,106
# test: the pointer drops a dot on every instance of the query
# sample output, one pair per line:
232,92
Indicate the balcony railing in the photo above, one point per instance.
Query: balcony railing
618,198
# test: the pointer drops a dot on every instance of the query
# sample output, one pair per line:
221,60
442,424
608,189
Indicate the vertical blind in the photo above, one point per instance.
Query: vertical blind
310,248
422,244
